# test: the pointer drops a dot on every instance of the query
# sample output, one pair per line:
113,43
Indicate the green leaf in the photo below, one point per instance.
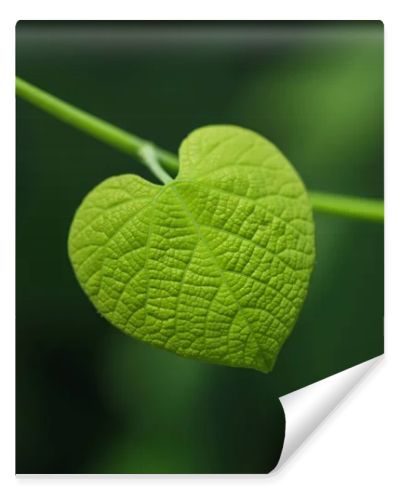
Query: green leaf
214,265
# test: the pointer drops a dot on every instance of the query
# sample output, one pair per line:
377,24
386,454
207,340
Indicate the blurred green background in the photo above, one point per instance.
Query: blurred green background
91,400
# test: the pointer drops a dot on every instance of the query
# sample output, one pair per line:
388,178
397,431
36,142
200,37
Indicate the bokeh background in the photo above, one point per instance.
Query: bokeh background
91,400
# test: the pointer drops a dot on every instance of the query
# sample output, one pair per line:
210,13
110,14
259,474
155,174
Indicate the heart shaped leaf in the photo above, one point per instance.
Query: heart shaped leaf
214,265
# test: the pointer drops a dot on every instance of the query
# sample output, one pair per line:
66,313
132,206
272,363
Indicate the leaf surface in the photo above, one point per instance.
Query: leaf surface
214,265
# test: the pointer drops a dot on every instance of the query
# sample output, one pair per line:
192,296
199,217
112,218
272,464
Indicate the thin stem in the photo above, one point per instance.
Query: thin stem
96,127
153,156
148,154
348,206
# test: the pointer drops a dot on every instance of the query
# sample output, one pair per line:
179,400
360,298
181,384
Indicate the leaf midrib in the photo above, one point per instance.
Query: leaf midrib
201,237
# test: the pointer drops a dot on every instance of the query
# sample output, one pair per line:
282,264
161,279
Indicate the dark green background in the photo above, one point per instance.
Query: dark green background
90,399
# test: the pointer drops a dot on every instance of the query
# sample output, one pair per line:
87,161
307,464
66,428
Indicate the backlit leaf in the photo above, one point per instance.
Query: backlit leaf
215,265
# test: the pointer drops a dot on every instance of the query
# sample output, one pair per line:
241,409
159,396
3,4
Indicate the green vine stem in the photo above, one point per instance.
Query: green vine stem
96,127
348,206
153,156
